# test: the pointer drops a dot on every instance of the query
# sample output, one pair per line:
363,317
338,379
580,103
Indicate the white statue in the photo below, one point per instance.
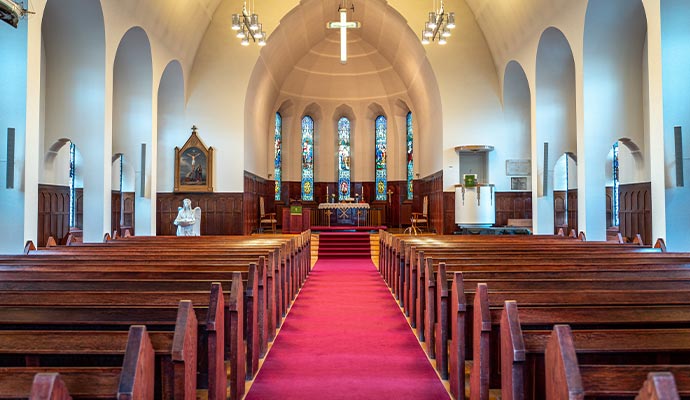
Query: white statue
188,220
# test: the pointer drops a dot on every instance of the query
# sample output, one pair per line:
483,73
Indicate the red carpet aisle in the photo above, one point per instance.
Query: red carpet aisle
345,338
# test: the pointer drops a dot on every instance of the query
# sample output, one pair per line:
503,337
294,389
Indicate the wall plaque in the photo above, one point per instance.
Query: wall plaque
518,167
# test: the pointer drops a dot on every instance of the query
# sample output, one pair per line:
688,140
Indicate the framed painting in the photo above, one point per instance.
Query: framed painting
193,166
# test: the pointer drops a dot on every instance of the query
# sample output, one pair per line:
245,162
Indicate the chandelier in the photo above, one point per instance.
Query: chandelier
438,26
247,26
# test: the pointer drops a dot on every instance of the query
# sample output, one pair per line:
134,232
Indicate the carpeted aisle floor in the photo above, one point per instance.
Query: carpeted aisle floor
345,338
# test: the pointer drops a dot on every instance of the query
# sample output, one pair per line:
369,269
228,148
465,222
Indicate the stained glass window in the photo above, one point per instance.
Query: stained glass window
307,158
343,158
277,153
380,157
72,185
616,185
410,163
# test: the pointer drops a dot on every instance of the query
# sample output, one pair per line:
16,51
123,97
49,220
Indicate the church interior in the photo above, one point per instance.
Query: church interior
507,127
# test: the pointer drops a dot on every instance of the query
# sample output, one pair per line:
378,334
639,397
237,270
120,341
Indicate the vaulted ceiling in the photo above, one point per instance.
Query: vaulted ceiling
505,23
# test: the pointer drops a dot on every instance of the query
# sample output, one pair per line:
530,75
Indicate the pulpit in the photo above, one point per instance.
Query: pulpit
296,219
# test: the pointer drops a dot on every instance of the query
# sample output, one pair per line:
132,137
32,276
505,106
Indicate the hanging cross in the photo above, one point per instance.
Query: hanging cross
343,25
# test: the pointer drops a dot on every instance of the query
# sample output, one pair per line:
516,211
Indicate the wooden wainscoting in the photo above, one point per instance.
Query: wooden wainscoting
513,205
635,211
254,188
432,186
221,212
53,212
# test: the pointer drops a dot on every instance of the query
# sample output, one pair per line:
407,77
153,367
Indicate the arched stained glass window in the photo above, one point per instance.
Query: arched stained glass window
307,158
277,153
410,163
343,158
380,157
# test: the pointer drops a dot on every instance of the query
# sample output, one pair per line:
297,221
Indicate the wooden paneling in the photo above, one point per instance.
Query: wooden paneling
221,213
122,212
572,211
512,205
390,213
53,212
635,211
432,187
559,212
609,206
255,187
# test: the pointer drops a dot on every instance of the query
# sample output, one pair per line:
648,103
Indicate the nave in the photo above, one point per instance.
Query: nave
517,317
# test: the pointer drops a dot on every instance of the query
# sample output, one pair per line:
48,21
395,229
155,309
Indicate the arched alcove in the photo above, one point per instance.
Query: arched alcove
555,118
517,115
675,50
614,72
132,116
172,131
73,91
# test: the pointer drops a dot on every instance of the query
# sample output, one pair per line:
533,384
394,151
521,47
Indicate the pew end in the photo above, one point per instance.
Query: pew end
659,386
456,356
29,246
137,378
49,386
184,351
660,244
215,332
512,353
481,326
563,380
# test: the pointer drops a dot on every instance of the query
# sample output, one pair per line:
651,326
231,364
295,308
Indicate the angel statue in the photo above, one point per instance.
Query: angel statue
188,220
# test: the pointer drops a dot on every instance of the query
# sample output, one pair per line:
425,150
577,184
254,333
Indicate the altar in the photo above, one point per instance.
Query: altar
345,213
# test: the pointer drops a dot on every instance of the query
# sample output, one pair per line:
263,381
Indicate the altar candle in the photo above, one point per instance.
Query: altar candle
362,197
326,193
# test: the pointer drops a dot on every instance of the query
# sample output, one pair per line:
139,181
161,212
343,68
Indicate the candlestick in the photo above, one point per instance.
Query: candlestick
326,193
362,193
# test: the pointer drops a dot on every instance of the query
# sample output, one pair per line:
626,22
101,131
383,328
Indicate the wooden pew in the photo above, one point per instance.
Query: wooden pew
180,378
522,351
566,379
255,303
133,380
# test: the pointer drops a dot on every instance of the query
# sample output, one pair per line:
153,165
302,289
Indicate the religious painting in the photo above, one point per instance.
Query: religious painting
194,166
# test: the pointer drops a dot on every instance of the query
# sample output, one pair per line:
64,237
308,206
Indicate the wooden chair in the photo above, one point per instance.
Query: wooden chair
266,219
421,219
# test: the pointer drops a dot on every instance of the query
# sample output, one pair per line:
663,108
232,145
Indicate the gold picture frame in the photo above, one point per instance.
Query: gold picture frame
193,166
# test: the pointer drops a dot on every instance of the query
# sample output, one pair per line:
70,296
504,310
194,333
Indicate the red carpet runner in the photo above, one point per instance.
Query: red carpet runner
344,244
345,338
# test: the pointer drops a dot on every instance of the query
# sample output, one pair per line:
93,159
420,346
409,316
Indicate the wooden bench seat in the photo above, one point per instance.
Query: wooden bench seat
568,379
181,381
522,351
134,379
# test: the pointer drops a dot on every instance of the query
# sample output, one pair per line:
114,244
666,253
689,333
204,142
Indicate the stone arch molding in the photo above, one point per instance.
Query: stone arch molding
301,29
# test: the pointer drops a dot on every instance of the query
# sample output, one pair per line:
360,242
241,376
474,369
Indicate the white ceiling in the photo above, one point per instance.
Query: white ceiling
182,23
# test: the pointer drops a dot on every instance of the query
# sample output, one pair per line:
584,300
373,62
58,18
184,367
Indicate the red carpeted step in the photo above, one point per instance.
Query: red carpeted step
345,338
344,244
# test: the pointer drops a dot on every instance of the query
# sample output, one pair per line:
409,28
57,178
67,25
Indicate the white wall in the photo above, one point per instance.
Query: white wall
13,115
676,85
172,131
517,117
